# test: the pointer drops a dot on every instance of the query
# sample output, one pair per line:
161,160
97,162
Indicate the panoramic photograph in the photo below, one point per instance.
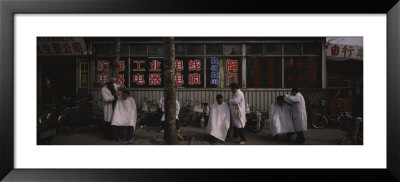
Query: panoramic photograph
199,91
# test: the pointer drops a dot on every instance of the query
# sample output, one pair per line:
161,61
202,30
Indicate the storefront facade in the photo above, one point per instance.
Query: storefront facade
205,66
264,67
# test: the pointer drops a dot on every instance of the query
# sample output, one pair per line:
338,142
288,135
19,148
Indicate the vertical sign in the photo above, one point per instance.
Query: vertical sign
84,73
221,72
123,77
103,71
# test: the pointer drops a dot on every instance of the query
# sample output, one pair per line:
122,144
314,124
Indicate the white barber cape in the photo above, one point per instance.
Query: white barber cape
178,108
125,112
280,119
238,101
299,113
219,121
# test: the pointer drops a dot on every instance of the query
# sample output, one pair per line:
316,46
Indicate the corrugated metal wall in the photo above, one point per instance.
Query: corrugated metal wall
261,99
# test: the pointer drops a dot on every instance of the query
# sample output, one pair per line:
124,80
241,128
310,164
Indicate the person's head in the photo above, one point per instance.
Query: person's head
125,94
234,87
295,91
110,83
220,99
47,82
280,100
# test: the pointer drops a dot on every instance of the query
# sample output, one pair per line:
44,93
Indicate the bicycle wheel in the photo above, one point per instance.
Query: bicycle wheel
319,121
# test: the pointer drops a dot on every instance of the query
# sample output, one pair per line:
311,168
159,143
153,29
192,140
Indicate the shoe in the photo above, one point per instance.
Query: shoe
117,140
129,140
242,143
161,131
178,131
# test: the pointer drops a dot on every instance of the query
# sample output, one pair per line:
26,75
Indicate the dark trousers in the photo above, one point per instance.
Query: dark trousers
163,125
115,132
239,132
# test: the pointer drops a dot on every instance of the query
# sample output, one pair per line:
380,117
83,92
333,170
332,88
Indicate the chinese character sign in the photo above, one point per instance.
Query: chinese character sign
223,71
61,46
345,51
84,73
189,72
103,71
146,72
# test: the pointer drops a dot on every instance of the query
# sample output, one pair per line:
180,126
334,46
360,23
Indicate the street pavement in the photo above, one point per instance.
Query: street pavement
150,135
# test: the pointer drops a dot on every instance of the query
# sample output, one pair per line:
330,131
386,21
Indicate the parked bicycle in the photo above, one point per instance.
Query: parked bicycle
68,116
255,120
319,117
187,115
354,129
149,113
203,111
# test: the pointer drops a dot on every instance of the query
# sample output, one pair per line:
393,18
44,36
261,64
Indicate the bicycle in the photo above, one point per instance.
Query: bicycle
354,133
203,112
149,114
255,120
187,114
319,119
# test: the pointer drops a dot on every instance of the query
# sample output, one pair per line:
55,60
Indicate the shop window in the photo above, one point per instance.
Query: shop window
303,72
156,49
312,49
195,49
254,49
273,49
232,49
292,49
223,71
180,49
138,49
103,49
264,72
214,49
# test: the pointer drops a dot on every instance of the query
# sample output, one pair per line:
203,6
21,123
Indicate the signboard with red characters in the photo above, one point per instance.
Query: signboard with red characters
189,72
60,46
341,52
104,71
146,72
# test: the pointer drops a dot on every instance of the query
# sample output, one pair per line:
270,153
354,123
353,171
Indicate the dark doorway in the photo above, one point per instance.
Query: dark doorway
62,72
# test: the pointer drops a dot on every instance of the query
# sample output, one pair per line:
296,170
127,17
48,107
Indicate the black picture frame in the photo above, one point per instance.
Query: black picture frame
9,8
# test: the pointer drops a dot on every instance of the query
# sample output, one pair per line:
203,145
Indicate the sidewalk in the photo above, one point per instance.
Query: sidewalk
150,135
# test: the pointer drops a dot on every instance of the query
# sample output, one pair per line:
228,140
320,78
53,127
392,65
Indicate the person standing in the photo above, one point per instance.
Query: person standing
109,95
125,114
299,113
219,119
238,112
280,118
163,123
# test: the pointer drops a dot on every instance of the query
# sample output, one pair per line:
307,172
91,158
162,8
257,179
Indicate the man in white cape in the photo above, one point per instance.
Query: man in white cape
299,113
219,119
125,114
238,112
280,118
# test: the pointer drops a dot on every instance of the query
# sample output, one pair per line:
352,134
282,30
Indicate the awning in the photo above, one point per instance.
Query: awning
61,46
340,52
